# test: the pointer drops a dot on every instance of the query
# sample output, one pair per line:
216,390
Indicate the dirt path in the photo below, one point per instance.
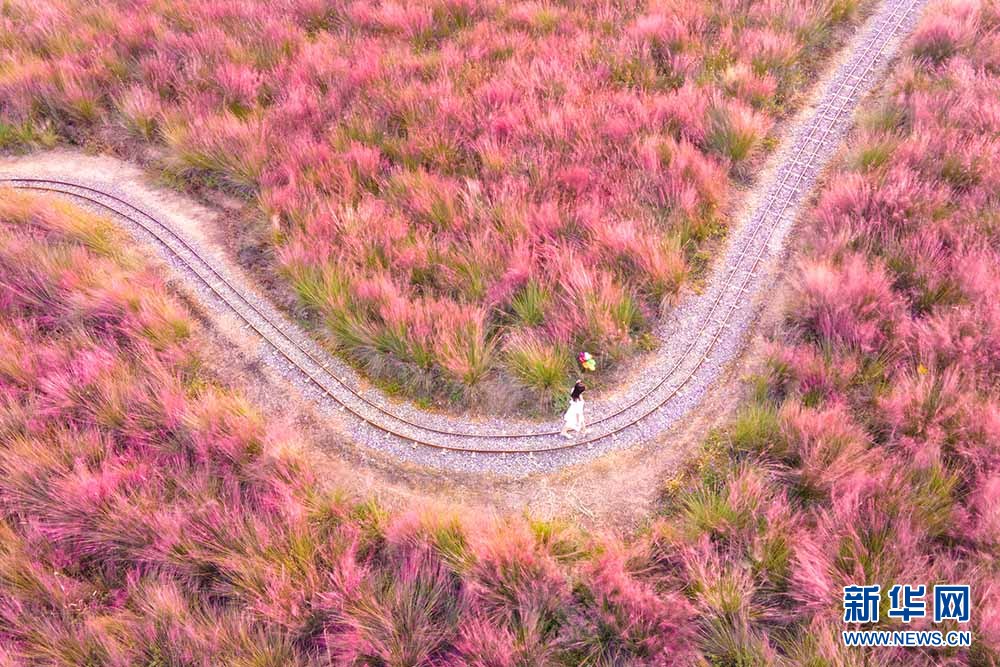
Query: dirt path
630,429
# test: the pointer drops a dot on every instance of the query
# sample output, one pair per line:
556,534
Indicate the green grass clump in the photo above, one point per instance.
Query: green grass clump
757,429
529,305
538,364
731,137
26,135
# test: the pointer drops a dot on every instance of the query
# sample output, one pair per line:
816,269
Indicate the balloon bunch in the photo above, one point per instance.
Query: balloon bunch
587,362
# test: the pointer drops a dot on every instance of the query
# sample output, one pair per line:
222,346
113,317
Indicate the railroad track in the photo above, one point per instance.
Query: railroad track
808,152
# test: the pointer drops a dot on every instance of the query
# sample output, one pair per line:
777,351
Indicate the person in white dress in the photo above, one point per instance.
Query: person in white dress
573,421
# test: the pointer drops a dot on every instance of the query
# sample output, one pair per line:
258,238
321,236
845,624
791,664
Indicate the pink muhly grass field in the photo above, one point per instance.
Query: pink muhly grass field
870,452
149,515
416,167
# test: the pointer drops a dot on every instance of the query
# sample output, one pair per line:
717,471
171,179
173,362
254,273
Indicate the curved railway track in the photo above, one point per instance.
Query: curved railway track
802,161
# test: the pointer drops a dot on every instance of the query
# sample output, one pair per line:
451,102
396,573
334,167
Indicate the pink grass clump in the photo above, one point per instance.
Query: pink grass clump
850,304
632,618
